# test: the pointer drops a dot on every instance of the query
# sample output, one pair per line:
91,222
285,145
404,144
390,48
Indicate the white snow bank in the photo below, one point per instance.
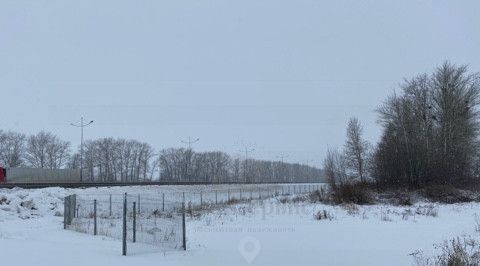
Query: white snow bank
274,233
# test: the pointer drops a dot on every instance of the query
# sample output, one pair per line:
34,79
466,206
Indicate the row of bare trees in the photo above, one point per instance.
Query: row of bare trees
109,159
42,150
430,135
217,167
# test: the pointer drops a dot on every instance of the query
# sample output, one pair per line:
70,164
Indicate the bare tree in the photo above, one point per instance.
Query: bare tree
12,148
356,150
335,168
45,150
431,130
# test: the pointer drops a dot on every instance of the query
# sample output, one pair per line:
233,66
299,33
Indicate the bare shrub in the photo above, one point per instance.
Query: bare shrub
316,196
298,199
427,210
403,199
459,252
232,201
323,215
284,200
384,216
445,194
456,252
407,213
351,208
358,193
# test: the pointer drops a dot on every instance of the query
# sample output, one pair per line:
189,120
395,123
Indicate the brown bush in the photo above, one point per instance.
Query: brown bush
358,193
445,194
316,196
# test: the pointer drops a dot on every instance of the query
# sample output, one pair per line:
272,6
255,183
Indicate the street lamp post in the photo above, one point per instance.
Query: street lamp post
189,142
81,126
247,150
281,157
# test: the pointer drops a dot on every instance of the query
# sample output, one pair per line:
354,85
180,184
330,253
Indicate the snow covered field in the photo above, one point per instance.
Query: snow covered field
265,232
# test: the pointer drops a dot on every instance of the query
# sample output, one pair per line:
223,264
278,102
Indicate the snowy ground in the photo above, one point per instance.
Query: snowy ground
260,233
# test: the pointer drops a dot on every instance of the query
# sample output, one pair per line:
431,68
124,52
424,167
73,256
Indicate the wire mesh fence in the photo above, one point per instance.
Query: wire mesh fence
125,217
201,198
157,219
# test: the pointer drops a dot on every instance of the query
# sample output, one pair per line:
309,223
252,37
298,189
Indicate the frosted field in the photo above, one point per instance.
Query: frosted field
257,233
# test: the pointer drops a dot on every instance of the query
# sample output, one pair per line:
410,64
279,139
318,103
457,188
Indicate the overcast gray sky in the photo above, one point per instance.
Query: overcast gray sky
283,76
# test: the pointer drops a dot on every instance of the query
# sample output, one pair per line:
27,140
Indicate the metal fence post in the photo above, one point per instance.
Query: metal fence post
72,208
124,236
73,201
216,197
163,202
228,193
184,233
94,217
139,203
251,194
201,199
134,222
110,205
66,211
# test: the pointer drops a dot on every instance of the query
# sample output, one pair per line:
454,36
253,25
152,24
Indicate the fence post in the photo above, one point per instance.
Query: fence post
216,197
73,201
94,217
110,205
134,222
201,199
251,193
259,194
72,208
124,236
240,194
139,203
184,233
228,193
66,211
163,202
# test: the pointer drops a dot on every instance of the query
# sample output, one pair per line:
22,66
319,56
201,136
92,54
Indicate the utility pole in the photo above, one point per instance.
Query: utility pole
189,142
281,157
247,150
81,126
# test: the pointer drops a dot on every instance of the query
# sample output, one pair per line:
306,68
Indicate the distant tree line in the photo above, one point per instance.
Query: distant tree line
430,135
215,167
109,159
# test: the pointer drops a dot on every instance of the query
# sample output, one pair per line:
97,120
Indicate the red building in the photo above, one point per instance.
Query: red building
3,175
